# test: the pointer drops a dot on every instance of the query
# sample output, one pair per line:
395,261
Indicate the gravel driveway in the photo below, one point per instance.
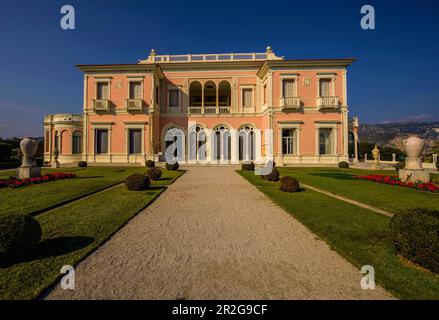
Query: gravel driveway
212,235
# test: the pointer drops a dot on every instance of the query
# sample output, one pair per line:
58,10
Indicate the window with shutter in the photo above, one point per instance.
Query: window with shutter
325,87
135,90
102,91
247,95
288,88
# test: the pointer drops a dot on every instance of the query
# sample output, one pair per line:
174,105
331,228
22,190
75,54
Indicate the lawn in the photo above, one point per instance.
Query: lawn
37,198
360,235
73,231
340,181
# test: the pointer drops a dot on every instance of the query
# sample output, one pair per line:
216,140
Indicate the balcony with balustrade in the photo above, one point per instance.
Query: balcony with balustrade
134,105
290,103
102,105
327,103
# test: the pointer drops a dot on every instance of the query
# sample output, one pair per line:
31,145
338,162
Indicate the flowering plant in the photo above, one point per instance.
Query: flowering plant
392,180
16,183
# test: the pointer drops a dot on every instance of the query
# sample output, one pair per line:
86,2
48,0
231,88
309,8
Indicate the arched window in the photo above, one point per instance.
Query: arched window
224,94
195,92
210,94
222,144
246,136
77,143
197,143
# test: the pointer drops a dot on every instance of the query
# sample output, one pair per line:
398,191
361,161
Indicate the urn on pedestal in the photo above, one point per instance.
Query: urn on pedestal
413,171
28,167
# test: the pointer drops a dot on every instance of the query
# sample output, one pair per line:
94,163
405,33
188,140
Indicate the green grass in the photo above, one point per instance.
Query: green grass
360,235
69,234
37,198
340,181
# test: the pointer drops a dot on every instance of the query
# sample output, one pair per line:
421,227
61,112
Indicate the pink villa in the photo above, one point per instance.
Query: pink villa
129,108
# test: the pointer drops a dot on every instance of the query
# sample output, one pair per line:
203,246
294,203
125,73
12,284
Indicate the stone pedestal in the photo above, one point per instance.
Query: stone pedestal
28,172
419,175
55,164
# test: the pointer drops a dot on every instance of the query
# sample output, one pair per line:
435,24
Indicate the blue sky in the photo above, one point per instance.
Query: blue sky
395,78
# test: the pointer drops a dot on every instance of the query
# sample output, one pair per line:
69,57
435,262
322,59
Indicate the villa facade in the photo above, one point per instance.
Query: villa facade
128,110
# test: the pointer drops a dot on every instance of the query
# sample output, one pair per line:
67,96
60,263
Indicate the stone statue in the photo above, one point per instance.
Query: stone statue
55,163
413,171
28,168
376,158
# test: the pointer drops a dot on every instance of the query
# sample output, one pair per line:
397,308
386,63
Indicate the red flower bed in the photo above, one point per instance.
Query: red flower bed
392,180
14,183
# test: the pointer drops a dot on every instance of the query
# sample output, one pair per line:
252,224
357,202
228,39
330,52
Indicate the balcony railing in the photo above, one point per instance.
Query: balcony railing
209,110
195,110
290,102
101,105
134,104
327,102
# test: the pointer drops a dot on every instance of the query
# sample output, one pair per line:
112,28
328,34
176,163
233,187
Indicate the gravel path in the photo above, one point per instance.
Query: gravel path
212,235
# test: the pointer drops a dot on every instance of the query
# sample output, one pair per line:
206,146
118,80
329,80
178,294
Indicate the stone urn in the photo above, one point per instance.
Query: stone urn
413,147
28,147
28,167
413,171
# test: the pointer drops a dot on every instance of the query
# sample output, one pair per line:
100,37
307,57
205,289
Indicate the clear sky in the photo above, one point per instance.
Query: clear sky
395,78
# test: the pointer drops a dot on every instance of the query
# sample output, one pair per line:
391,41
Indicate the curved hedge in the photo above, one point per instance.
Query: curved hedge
250,166
415,233
19,234
149,163
343,165
273,176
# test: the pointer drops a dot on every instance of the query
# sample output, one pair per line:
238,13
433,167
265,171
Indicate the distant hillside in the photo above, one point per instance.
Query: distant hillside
393,134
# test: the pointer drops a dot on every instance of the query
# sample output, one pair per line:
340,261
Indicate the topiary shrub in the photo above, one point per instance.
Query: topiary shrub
400,165
137,182
82,164
273,176
154,173
415,233
289,184
172,166
343,165
19,234
150,163
39,162
249,166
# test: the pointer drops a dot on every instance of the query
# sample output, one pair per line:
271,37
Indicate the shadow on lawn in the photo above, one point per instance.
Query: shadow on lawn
53,247
333,175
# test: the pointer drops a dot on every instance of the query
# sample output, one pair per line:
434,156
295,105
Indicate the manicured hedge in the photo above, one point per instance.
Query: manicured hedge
137,182
10,164
172,166
289,184
154,173
415,233
150,163
82,164
19,234
273,176
343,165
250,166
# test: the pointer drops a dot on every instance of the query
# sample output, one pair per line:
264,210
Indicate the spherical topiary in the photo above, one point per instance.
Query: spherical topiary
154,173
273,176
343,165
415,233
172,166
399,165
249,166
19,234
137,182
150,163
289,184
82,164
